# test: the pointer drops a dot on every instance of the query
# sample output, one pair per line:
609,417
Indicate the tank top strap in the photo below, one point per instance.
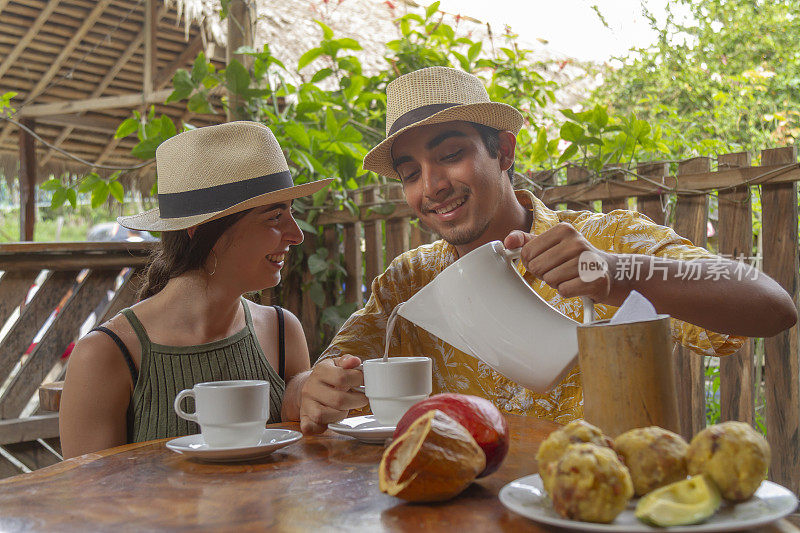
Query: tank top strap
137,326
248,318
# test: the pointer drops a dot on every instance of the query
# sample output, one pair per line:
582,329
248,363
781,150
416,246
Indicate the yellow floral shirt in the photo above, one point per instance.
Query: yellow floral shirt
628,232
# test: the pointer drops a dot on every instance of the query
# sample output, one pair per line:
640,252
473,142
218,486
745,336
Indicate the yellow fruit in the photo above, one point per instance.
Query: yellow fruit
689,501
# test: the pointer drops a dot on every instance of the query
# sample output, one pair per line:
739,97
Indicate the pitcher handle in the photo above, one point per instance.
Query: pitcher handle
588,303
512,255
588,310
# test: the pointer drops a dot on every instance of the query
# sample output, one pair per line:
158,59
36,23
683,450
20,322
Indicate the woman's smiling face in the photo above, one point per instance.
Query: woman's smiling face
252,252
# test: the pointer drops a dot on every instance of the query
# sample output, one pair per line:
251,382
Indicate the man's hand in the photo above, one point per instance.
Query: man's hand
327,393
553,258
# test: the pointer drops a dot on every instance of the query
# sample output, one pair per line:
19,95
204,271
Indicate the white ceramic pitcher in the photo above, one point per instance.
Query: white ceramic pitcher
481,305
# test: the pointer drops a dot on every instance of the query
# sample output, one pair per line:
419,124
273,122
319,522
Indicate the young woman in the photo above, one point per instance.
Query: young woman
226,225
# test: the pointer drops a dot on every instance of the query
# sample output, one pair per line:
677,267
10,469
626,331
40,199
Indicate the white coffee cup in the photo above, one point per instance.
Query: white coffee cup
230,413
394,385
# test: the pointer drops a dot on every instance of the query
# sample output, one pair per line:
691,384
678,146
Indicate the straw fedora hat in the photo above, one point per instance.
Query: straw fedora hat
431,96
211,172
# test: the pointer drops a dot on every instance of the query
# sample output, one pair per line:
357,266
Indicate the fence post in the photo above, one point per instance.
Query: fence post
616,203
352,262
736,240
577,175
650,206
397,229
373,243
779,222
691,222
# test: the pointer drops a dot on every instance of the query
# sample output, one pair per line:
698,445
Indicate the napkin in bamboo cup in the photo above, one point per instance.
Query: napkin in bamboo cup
628,369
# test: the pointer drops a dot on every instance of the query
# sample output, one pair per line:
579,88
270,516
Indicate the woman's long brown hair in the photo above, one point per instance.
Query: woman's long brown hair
177,253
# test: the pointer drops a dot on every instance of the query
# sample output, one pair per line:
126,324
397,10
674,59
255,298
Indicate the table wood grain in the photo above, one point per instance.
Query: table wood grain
321,483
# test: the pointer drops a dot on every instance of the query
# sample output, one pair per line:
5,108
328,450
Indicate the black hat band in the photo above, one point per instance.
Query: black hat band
220,197
416,115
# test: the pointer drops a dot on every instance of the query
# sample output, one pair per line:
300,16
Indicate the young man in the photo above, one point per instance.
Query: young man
452,149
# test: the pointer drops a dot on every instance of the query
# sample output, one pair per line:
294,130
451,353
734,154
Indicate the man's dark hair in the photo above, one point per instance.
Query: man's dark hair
491,140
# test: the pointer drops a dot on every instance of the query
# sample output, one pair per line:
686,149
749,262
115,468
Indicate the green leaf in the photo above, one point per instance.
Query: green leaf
53,184
474,50
100,195
88,183
298,134
570,114
431,10
317,294
348,44
59,197
571,150
210,81
571,132
317,264
308,57
128,126
353,90
327,32
350,135
167,127
72,198
321,75
305,226
199,68
245,50
237,79
146,149
198,103
462,60
182,84
331,124
304,108
116,190
600,116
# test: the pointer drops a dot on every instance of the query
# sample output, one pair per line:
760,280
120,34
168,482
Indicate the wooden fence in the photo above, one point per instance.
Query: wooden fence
80,274
49,292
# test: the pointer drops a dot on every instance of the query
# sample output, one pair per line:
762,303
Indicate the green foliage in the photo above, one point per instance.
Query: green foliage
5,103
725,80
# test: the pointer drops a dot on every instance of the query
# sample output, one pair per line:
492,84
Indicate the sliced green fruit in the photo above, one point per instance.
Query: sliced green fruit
689,501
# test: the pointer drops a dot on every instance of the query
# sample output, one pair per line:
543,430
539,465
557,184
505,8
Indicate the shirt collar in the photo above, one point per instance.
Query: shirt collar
544,218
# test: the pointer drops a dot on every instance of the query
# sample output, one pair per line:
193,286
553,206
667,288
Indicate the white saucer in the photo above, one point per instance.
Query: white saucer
771,501
271,440
364,428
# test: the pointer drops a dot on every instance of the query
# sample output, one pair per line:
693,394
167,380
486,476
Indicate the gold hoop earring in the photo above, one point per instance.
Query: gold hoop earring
215,264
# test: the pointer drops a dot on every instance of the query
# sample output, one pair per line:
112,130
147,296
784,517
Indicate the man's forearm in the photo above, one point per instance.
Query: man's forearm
290,410
716,294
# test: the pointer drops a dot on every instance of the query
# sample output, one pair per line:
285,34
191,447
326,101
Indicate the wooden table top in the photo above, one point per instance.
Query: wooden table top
320,483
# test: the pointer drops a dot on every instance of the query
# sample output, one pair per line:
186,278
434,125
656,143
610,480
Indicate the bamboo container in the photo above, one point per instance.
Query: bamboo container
628,375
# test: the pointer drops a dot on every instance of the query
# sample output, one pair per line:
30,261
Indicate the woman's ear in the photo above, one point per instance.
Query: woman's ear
190,231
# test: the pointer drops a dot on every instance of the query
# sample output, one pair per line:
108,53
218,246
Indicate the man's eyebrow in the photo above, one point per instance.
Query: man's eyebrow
273,207
433,143
439,139
400,160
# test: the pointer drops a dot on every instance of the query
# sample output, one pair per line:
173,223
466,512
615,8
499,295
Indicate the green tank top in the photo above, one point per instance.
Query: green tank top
164,371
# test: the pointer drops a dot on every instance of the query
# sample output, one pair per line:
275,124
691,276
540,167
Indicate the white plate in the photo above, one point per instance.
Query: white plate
364,428
771,501
271,440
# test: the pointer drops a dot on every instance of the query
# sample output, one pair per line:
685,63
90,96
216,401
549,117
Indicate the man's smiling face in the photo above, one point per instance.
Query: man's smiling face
451,181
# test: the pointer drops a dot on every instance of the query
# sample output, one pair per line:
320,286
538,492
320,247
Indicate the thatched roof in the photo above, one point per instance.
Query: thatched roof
59,51
78,66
